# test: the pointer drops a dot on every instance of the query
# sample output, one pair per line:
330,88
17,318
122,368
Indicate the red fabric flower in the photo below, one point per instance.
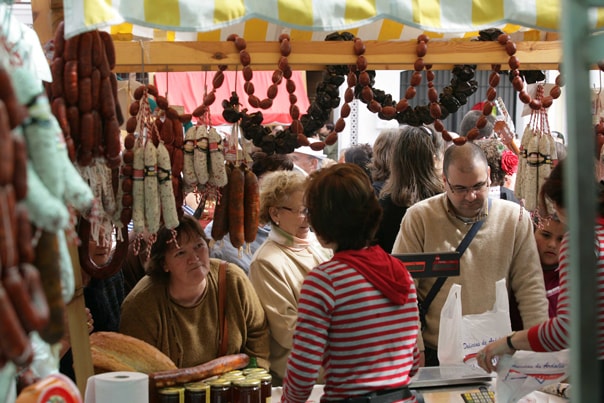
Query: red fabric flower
509,162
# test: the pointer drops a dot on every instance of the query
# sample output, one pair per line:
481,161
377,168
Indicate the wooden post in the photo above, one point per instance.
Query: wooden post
78,329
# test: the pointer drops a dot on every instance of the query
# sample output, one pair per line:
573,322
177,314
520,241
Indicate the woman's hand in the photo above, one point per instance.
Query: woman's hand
487,358
66,341
89,321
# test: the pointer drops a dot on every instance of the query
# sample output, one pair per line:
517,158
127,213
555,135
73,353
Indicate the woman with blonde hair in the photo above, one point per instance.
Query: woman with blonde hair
283,261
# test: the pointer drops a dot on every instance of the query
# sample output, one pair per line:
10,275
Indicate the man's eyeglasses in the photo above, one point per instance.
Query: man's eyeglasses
302,212
464,190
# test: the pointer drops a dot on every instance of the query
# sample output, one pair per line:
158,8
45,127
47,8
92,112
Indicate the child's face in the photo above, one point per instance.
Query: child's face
548,238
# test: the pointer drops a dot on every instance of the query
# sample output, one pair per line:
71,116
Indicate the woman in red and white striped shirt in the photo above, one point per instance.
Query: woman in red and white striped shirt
554,334
357,314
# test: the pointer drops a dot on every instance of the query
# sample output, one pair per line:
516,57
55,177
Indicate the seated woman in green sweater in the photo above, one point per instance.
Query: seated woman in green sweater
175,307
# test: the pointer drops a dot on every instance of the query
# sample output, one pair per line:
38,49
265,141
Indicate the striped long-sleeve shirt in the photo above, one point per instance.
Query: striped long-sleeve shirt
364,341
554,334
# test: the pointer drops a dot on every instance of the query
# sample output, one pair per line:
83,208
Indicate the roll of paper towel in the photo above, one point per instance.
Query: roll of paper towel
118,387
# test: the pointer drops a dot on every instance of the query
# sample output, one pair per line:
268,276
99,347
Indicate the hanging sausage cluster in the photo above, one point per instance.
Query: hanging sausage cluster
237,211
84,101
152,164
23,305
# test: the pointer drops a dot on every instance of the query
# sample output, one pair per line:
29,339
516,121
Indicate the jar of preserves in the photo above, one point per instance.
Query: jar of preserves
171,395
197,392
266,386
233,372
220,391
246,391
252,371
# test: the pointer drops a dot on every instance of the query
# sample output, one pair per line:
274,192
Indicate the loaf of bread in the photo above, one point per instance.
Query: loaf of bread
118,352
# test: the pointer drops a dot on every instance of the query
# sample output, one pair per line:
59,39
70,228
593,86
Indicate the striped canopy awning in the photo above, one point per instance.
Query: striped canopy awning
265,20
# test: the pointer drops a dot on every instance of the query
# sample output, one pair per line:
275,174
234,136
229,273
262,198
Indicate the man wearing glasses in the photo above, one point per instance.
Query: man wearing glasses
503,247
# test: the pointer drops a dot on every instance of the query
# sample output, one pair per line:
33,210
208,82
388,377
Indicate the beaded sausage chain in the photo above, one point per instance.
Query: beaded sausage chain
360,86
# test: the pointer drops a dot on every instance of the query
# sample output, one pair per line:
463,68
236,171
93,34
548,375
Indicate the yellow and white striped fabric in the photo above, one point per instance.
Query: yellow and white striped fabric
265,20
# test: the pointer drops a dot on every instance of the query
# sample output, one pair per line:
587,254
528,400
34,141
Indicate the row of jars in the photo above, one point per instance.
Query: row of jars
251,385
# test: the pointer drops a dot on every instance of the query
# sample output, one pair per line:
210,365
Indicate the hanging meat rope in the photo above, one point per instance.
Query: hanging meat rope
155,142
538,156
85,103
23,304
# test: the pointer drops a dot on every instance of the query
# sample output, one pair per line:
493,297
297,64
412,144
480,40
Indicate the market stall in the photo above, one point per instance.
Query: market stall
194,43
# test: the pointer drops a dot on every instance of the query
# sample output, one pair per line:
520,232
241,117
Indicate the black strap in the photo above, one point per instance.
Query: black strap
465,242
382,396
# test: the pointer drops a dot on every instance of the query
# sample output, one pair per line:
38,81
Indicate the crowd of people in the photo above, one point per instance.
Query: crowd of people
320,297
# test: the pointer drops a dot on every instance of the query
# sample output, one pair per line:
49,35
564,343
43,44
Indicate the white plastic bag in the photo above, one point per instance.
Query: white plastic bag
527,371
462,336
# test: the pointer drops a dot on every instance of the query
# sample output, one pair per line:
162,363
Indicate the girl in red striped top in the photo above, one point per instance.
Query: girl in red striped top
357,314
554,334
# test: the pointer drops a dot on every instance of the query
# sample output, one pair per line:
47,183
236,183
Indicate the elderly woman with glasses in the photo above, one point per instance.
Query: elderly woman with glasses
281,264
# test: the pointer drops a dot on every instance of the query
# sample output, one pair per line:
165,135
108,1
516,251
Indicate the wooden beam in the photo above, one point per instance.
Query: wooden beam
152,56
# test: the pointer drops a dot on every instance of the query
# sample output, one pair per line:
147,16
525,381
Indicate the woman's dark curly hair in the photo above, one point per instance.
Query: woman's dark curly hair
188,228
342,206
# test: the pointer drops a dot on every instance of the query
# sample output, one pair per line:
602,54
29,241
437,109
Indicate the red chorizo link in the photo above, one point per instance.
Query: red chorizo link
95,92
178,194
97,49
166,132
112,142
236,212
56,68
73,118
18,293
59,40
84,152
98,147
251,205
179,135
214,367
109,48
177,158
85,94
20,171
138,92
9,255
70,82
220,226
107,101
14,343
172,113
59,110
16,112
85,55
7,165
24,244
33,282
70,53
